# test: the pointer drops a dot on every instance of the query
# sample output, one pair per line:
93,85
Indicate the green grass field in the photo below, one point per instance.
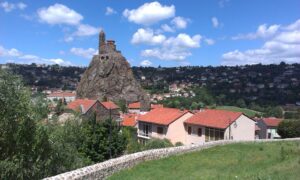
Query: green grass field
247,112
276,160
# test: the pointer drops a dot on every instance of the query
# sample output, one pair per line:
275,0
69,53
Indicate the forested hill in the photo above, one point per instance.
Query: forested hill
263,84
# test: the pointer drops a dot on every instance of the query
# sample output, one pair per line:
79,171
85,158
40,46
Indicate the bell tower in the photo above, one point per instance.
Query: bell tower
101,40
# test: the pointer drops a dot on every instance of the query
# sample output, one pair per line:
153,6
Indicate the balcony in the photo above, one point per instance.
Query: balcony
144,135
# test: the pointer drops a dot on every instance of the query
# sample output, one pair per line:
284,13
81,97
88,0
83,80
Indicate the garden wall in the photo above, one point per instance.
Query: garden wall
104,169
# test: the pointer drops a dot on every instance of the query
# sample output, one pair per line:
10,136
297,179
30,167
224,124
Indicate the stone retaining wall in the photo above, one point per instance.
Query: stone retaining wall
104,169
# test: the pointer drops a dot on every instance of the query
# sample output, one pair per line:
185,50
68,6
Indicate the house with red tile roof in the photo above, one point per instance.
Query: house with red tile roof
163,123
268,127
129,120
188,128
211,125
62,95
88,107
135,107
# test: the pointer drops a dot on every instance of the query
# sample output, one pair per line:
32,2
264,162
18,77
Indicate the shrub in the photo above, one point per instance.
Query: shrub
289,128
158,143
178,144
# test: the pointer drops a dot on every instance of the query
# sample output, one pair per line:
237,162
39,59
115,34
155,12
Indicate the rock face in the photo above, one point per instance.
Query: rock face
109,76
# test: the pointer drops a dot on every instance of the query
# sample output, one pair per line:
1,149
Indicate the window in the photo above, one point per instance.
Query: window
212,134
199,131
189,130
160,130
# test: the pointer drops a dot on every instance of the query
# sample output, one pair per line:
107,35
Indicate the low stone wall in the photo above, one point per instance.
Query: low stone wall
104,169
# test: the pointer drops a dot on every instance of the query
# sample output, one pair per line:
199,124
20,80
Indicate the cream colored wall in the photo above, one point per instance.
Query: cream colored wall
154,133
193,138
244,129
176,131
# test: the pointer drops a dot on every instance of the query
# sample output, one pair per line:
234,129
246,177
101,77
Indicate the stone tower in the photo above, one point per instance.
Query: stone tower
109,76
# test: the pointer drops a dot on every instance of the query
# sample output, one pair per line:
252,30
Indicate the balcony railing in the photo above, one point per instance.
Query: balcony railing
142,134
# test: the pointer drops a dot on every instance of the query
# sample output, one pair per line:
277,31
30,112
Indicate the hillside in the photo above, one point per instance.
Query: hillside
276,160
261,84
247,112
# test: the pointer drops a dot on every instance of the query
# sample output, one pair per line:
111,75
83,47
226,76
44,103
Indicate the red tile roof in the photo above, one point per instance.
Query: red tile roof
135,105
61,94
154,106
214,118
163,116
129,119
85,103
272,121
109,105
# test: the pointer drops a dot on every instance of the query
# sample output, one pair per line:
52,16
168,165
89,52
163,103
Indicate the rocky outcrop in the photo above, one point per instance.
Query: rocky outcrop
109,76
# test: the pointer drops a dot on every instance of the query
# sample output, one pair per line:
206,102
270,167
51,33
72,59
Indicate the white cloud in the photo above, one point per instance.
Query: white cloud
263,31
9,52
174,48
147,36
167,28
110,11
11,6
149,13
20,57
283,46
86,30
209,41
146,63
86,53
215,22
59,14
180,22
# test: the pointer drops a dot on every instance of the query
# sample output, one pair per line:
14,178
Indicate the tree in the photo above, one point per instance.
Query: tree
241,103
40,107
289,128
60,107
194,106
274,112
96,144
122,105
24,147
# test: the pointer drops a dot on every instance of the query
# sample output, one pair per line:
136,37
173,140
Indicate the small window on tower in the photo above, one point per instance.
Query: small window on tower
106,57
102,57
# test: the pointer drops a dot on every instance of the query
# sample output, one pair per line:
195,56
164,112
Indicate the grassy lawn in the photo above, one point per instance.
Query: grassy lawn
247,112
276,160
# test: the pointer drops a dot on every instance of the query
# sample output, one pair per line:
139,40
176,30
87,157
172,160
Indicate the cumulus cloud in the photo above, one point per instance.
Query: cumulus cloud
215,22
59,14
180,22
86,30
9,52
86,53
15,56
110,11
147,36
149,13
146,63
167,28
174,48
8,7
284,46
263,31
209,41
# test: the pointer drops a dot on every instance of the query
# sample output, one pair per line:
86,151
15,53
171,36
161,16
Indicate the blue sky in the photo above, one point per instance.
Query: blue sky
152,33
